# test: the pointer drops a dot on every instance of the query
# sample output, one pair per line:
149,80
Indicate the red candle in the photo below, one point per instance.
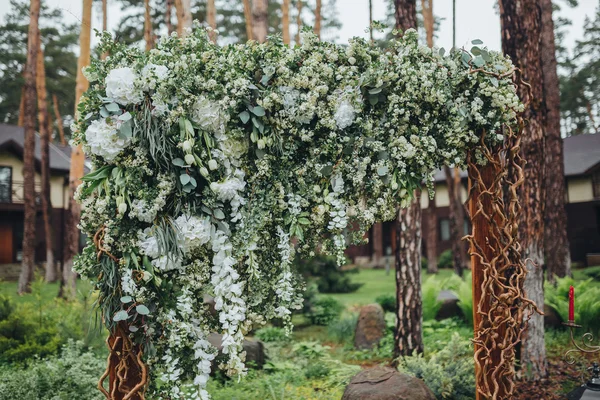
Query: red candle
571,304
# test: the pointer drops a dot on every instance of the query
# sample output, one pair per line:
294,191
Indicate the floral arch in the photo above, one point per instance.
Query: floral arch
214,166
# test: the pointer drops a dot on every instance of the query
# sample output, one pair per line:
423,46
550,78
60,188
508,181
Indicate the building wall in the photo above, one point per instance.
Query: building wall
58,188
580,190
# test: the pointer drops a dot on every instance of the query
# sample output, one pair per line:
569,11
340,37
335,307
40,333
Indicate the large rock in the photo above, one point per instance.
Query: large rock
449,307
370,327
255,351
384,383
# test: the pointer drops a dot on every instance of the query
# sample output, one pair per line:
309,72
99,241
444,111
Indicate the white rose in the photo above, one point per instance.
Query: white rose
120,86
104,140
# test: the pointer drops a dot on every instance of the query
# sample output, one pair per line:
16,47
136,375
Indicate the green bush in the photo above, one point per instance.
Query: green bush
587,302
271,334
387,302
449,373
72,375
431,305
329,277
342,330
464,291
593,272
445,259
324,311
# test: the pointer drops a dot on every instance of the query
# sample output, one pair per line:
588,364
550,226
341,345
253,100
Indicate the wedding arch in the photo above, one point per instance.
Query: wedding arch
214,166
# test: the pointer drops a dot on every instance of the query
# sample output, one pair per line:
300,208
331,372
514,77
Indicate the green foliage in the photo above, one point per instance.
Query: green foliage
449,373
587,302
72,375
431,305
445,259
387,302
342,330
6,307
593,272
436,333
329,277
324,311
271,334
464,291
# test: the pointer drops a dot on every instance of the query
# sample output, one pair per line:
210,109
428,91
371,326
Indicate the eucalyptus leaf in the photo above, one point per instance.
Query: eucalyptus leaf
260,153
382,171
120,316
184,179
125,117
104,113
178,162
326,170
133,328
112,107
476,41
245,116
126,299
142,309
442,52
258,111
219,214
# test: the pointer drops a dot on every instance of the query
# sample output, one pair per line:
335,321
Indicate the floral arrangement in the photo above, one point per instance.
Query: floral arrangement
214,166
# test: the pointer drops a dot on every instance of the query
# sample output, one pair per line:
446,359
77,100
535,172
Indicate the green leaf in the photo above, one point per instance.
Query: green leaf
442,52
125,130
245,116
189,128
258,111
178,162
374,99
326,170
193,182
382,171
104,112
304,221
120,316
466,57
100,173
142,309
258,124
112,107
260,153
133,328
486,55
476,41
184,179
219,214
375,90
126,299
478,61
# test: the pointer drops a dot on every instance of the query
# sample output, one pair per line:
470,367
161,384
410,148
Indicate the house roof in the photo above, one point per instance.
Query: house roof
13,138
581,155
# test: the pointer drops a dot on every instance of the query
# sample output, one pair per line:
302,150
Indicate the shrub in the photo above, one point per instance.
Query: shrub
72,375
342,330
593,272
449,373
445,259
431,305
464,291
271,334
587,302
330,279
324,311
309,297
387,302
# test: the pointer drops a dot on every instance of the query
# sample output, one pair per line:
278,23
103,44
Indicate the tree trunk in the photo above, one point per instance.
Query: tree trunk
184,16
44,131
431,238
405,12
556,241
260,23
59,121
168,13
318,19
248,18
408,337
453,24
456,219
105,23
377,244
285,21
521,40
21,121
71,247
298,21
148,37
371,20
211,19
28,262
427,10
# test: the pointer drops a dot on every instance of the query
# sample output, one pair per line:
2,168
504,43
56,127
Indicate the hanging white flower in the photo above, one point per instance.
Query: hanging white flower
104,140
121,87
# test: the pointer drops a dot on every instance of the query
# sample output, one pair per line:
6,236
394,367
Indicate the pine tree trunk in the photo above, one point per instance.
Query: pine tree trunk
371,20
318,19
211,19
298,21
76,171
44,131
556,241
521,40
408,337
148,37
377,230
259,20
59,121
427,10
431,237
184,16
285,21
456,219
105,23
248,18
29,118
168,12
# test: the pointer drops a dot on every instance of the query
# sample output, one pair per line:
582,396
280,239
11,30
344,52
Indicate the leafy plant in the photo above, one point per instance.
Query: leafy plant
324,311
431,305
387,302
593,272
445,259
464,291
329,277
271,334
342,330
587,301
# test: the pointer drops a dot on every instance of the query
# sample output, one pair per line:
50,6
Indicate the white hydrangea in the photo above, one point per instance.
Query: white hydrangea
344,115
121,86
206,113
193,231
102,136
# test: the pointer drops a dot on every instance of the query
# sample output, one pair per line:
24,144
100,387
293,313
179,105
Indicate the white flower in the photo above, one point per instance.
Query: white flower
104,139
151,75
189,159
212,164
206,113
344,116
187,146
204,172
122,208
193,231
120,86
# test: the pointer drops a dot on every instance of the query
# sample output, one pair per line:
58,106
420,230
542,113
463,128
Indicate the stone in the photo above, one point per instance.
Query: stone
255,351
370,328
384,383
209,301
449,307
551,317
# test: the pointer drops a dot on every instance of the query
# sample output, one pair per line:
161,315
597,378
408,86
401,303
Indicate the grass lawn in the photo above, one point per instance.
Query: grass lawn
47,291
376,282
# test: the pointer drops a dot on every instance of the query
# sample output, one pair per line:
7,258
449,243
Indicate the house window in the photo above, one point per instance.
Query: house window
444,229
5,184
